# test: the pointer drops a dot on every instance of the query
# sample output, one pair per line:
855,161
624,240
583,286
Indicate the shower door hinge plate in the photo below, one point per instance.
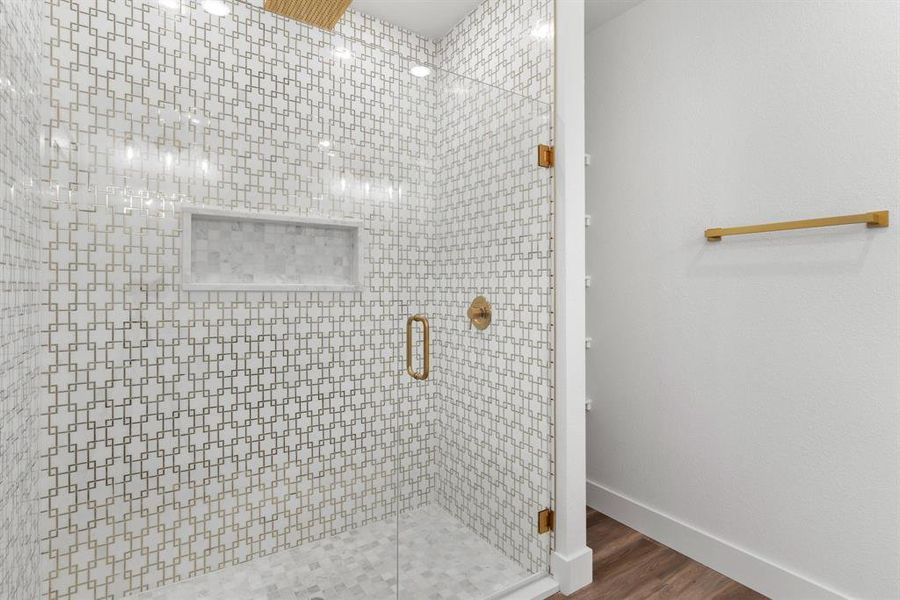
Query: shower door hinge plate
545,156
546,520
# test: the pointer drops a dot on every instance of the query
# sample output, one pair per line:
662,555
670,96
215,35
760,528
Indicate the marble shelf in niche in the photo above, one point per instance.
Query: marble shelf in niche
229,250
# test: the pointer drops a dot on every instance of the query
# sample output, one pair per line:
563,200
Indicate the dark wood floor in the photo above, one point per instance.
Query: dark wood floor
629,565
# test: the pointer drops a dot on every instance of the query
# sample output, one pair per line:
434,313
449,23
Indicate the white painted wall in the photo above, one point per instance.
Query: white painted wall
746,393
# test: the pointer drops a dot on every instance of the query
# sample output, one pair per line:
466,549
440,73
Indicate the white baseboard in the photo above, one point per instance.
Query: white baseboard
574,571
738,564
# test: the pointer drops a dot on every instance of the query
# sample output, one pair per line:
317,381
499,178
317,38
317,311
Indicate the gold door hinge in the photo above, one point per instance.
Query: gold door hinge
546,156
546,520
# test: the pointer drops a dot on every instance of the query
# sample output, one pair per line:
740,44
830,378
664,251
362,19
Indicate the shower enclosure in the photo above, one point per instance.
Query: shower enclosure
255,235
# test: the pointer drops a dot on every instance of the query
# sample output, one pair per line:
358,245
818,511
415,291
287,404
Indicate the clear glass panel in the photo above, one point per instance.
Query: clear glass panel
245,436
271,441
475,437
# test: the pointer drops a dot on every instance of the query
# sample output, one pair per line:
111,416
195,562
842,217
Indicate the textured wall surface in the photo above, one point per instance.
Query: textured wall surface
193,430
493,387
20,259
749,388
504,43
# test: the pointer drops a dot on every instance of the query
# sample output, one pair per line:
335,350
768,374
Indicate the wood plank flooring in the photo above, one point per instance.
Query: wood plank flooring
631,566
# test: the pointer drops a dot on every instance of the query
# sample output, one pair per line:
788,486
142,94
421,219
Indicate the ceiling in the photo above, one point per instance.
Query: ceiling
430,18
598,12
434,18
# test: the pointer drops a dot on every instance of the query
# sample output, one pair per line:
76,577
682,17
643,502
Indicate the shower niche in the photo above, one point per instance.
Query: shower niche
227,250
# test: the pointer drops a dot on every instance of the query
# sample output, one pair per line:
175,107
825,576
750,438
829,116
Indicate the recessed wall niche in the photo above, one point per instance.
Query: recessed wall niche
225,250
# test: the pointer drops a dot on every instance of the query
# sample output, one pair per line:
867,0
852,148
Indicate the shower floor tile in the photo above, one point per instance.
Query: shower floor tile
440,559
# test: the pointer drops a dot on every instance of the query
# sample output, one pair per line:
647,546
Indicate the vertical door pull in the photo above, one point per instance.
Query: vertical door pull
426,331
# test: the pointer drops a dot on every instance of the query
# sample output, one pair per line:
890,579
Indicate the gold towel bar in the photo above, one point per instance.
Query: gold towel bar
872,219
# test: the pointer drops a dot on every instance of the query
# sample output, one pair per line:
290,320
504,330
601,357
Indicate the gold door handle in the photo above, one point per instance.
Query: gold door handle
426,331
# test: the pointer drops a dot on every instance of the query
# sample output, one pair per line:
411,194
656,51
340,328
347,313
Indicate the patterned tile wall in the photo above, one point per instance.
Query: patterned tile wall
194,430
504,43
20,310
188,431
493,224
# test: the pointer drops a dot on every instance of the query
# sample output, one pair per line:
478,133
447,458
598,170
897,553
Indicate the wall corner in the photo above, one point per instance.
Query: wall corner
571,559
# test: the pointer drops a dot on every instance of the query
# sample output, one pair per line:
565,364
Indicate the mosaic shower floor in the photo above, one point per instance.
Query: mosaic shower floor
440,559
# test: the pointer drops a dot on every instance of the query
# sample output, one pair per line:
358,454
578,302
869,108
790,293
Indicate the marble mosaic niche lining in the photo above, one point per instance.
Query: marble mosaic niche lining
224,250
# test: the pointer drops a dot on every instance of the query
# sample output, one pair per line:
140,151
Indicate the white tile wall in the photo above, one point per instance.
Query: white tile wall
504,43
493,228
189,431
20,272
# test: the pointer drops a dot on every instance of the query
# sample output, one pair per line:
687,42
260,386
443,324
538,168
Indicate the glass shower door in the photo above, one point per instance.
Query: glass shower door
474,438
240,433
